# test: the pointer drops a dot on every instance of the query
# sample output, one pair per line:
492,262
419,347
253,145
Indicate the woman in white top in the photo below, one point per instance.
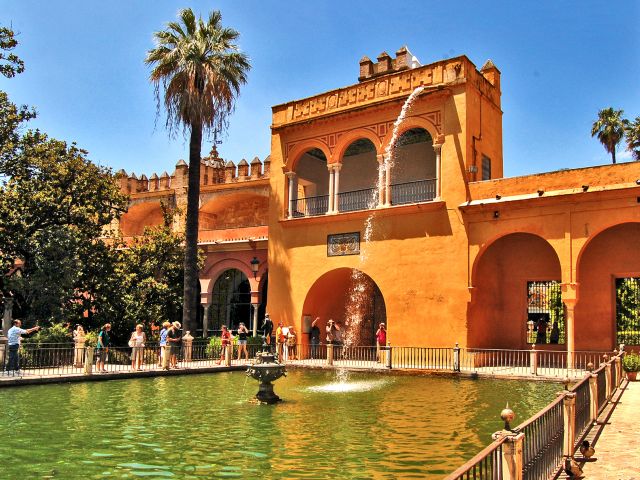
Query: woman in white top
136,342
78,352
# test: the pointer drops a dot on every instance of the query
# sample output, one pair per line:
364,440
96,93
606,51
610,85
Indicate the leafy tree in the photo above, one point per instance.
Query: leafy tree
632,134
610,129
10,63
198,67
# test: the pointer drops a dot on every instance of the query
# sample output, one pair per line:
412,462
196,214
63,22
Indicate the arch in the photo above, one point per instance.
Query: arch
359,171
216,269
230,300
503,274
139,216
329,297
350,137
303,147
607,256
414,157
409,123
224,211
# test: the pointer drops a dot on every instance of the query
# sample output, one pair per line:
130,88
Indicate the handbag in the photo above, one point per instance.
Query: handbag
131,343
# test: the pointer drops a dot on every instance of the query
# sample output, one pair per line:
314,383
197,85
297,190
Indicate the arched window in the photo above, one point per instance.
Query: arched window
230,300
413,174
310,193
358,176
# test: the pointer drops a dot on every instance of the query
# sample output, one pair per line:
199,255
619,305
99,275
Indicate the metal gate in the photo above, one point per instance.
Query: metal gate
628,310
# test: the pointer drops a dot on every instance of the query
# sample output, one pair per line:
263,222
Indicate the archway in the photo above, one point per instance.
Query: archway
413,174
330,297
230,301
358,176
605,262
137,217
516,284
310,191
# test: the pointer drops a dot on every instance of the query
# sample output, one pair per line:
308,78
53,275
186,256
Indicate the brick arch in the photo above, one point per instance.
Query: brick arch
303,147
348,138
218,268
408,124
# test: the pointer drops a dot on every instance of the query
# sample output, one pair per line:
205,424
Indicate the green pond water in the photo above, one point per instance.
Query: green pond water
203,426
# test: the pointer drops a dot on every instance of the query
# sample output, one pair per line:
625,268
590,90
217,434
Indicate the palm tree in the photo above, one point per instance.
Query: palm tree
609,127
632,132
199,69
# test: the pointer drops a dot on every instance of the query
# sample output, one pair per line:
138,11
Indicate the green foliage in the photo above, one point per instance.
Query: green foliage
631,362
10,63
632,134
55,333
609,128
628,310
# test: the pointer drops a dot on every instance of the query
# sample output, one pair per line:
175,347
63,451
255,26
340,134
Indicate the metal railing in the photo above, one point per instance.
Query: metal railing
542,444
310,206
583,405
356,200
486,465
602,388
413,192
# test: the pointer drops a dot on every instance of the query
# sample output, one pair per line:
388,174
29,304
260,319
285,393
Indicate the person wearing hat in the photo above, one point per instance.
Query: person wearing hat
331,331
174,339
267,330
381,339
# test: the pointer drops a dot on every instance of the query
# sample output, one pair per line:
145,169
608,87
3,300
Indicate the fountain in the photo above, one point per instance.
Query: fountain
266,370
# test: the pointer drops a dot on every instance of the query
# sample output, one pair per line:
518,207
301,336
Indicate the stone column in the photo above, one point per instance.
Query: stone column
336,188
569,418
387,181
512,458
533,360
205,320
438,148
593,397
88,360
608,379
8,314
254,327
570,305
291,176
381,182
330,208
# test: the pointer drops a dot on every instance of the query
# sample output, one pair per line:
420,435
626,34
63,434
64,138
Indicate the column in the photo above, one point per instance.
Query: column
336,188
331,177
570,330
569,419
438,149
7,317
291,176
387,181
381,183
205,320
254,322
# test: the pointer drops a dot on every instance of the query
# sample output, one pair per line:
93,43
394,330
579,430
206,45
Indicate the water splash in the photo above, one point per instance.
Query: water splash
360,288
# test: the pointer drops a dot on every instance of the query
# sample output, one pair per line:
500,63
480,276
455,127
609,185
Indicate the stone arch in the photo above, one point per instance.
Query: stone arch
293,157
328,297
139,216
608,255
409,123
350,137
215,270
234,210
498,313
230,300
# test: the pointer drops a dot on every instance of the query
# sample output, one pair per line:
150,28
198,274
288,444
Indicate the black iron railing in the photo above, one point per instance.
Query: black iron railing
583,405
542,444
356,200
602,388
413,192
628,310
487,465
310,206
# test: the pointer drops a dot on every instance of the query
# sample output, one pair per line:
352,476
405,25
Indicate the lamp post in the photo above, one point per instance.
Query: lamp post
255,265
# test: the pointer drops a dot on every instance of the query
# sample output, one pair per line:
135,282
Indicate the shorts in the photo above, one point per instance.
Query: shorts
137,353
242,342
101,354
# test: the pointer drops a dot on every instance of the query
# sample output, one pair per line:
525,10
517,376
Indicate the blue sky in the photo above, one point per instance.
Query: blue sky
560,61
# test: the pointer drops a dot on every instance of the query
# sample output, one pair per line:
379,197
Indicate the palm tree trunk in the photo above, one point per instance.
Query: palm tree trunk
191,302
613,154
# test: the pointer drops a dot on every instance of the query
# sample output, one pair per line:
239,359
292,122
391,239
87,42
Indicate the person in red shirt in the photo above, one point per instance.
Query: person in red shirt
381,339
225,341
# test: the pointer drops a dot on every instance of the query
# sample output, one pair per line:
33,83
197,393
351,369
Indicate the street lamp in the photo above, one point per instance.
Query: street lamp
255,264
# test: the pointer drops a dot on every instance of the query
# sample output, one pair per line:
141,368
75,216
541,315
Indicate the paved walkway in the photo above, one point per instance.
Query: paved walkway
617,444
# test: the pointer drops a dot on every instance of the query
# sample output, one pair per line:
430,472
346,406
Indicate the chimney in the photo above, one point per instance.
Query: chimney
366,68
256,166
384,63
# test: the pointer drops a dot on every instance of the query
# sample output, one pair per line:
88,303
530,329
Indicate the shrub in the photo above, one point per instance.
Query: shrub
56,333
631,362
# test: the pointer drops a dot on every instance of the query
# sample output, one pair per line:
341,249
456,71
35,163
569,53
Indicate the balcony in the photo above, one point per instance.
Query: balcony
419,191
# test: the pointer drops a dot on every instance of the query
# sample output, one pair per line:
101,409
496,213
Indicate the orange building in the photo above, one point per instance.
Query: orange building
445,250
233,232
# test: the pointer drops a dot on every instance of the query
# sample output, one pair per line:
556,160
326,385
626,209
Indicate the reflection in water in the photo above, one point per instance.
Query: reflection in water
203,426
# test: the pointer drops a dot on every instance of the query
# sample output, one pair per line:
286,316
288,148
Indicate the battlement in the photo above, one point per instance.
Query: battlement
213,170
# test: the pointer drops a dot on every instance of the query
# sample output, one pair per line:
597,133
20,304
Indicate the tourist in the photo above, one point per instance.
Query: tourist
136,342
15,337
381,340
554,337
79,339
163,342
291,343
243,332
280,339
102,347
331,332
225,342
315,337
541,329
174,340
267,331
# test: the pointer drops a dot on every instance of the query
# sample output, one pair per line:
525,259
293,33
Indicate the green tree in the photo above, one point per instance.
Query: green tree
200,70
610,129
632,134
10,63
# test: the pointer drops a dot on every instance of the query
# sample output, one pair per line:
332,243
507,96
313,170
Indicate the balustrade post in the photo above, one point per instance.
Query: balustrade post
456,358
533,360
512,457
331,207
291,176
618,366
381,181
389,355
330,354
205,320
438,149
228,351
569,419
593,394
607,377
88,360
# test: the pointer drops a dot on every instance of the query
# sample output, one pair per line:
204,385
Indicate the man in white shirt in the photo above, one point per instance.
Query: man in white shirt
15,336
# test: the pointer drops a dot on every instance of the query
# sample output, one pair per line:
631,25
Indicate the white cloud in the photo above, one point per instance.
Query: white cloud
624,155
